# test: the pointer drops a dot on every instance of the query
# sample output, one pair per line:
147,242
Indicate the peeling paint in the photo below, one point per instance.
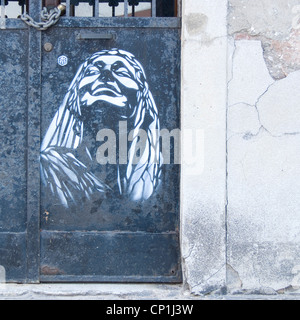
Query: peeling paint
233,280
275,24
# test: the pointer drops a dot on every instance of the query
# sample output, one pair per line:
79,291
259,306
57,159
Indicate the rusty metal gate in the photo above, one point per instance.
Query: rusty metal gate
89,188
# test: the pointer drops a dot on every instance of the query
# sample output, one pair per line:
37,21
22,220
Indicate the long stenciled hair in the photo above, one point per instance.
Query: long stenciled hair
66,175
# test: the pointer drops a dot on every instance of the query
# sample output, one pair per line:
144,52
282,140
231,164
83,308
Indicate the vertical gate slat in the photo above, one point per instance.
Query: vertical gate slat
153,8
68,8
33,148
96,9
125,8
2,17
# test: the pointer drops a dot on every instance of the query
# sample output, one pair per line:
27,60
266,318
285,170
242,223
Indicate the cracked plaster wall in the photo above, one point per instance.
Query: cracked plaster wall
240,214
263,117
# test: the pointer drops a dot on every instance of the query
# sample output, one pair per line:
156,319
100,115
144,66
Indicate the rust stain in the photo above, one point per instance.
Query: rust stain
243,36
50,271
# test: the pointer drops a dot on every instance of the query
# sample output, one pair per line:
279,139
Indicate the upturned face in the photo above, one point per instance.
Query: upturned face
110,79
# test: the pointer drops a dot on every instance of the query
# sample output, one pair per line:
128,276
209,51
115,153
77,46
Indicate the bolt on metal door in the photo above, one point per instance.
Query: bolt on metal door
89,151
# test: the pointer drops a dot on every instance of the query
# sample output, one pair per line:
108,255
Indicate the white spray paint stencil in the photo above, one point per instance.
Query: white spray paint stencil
62,60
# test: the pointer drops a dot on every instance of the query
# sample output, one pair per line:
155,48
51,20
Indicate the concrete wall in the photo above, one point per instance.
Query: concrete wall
240,86
204,96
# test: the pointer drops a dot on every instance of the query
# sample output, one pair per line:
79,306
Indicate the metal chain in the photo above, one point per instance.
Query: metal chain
48,19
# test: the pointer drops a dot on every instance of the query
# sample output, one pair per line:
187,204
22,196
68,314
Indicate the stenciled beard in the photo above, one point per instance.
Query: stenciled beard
102,111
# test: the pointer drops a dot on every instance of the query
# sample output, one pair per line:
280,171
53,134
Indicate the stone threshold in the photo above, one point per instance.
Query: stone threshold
93,291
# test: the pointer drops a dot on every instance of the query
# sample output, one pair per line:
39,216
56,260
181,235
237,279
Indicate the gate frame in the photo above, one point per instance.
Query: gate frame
33,148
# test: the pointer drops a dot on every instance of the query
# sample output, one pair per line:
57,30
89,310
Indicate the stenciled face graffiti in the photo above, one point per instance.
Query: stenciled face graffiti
110,79
109,87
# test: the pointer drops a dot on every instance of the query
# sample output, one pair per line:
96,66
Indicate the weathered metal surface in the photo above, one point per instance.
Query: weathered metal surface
13,131
33,145
86,22
107,237
146,222
109,256
13,255
13,146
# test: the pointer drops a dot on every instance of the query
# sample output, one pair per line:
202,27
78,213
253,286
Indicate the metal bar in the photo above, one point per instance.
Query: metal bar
153,8
126,8
68,8
108,22
111,279
33,146
2,17
35,10
96,14
49,4
178,8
